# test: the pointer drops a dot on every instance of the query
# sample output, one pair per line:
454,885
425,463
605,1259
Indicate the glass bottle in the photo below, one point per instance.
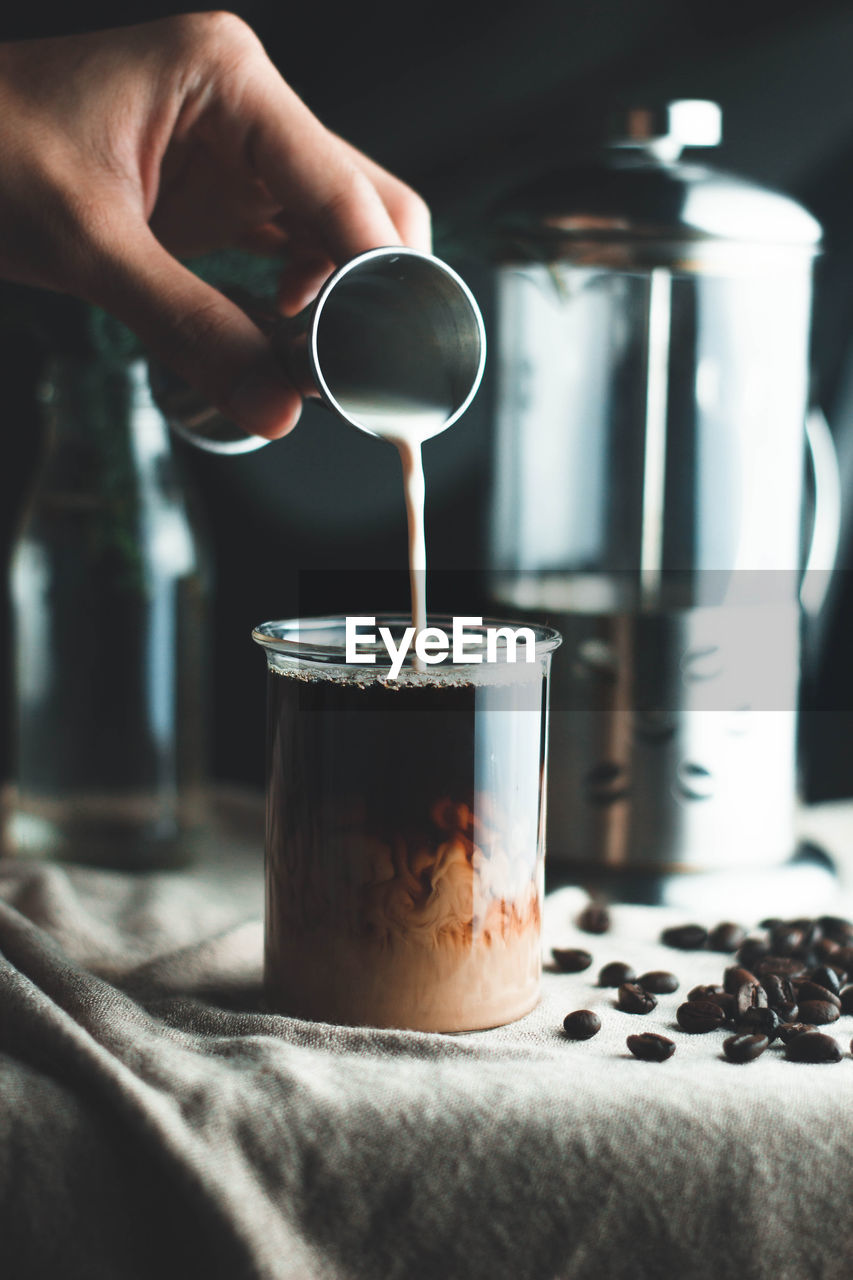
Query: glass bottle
109,588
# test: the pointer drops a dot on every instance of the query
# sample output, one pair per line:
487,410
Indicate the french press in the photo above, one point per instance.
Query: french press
651,337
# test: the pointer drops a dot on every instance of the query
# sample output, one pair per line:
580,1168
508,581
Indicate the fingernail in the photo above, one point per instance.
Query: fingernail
264,403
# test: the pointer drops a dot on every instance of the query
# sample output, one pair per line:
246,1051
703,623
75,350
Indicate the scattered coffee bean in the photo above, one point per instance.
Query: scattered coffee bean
749,995
790,939
633,999
685,937
660,982
705,991
727,1003
726,937
812,934
744,1048
846,998
837,929
594,918
789,1030
810,929
753,950
826,977
780,995
770,922
583,1024
826,949
811,991
843,960
651,1047
819,1012
698,1016
812,1046
762,1022
616,974
735,976
571,959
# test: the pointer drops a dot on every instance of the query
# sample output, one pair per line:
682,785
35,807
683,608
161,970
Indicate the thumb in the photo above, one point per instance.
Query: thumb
196,331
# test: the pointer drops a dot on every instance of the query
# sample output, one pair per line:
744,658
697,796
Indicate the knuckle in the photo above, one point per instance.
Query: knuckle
219,33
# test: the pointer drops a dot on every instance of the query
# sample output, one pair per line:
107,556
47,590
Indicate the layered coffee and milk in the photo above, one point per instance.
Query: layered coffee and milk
404,884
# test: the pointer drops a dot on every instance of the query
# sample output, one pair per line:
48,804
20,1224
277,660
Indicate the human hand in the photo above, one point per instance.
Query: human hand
122,148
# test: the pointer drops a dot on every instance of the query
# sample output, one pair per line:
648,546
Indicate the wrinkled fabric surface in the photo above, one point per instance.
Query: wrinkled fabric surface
156,1122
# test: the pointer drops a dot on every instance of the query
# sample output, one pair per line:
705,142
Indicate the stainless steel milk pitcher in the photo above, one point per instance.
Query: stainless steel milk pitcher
392,331
652,327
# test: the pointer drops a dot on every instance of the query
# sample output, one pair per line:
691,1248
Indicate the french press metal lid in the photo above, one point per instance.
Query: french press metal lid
637,204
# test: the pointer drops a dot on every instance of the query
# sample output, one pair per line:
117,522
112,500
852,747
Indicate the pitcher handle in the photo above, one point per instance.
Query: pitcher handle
826,530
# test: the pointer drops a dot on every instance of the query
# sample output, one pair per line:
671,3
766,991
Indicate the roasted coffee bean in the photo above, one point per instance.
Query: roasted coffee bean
789,1030
846,998
826,949
753,950
704,991
734,977
843,960
795,937
837,929
571,959
698,1016
812,1046
825,976
811,991
616,974
685,937
770,922
594,918
633,999
717,996
583,1024
780,993
726,937
651,1047
782,966
785,941
743,1047
762,1022
819,1012
659,981
727,1003
809,926
749,995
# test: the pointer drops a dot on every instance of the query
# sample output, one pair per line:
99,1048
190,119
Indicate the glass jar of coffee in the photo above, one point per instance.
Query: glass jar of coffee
405,828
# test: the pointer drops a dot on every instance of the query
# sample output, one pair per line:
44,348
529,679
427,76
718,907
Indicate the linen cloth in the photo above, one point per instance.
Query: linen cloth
155,1121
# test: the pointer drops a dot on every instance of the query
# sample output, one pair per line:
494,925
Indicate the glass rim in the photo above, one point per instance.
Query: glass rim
281,638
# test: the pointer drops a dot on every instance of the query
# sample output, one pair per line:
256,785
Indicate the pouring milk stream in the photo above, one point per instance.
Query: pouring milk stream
406,427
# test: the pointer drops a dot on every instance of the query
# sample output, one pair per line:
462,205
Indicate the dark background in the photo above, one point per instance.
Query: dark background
462,101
